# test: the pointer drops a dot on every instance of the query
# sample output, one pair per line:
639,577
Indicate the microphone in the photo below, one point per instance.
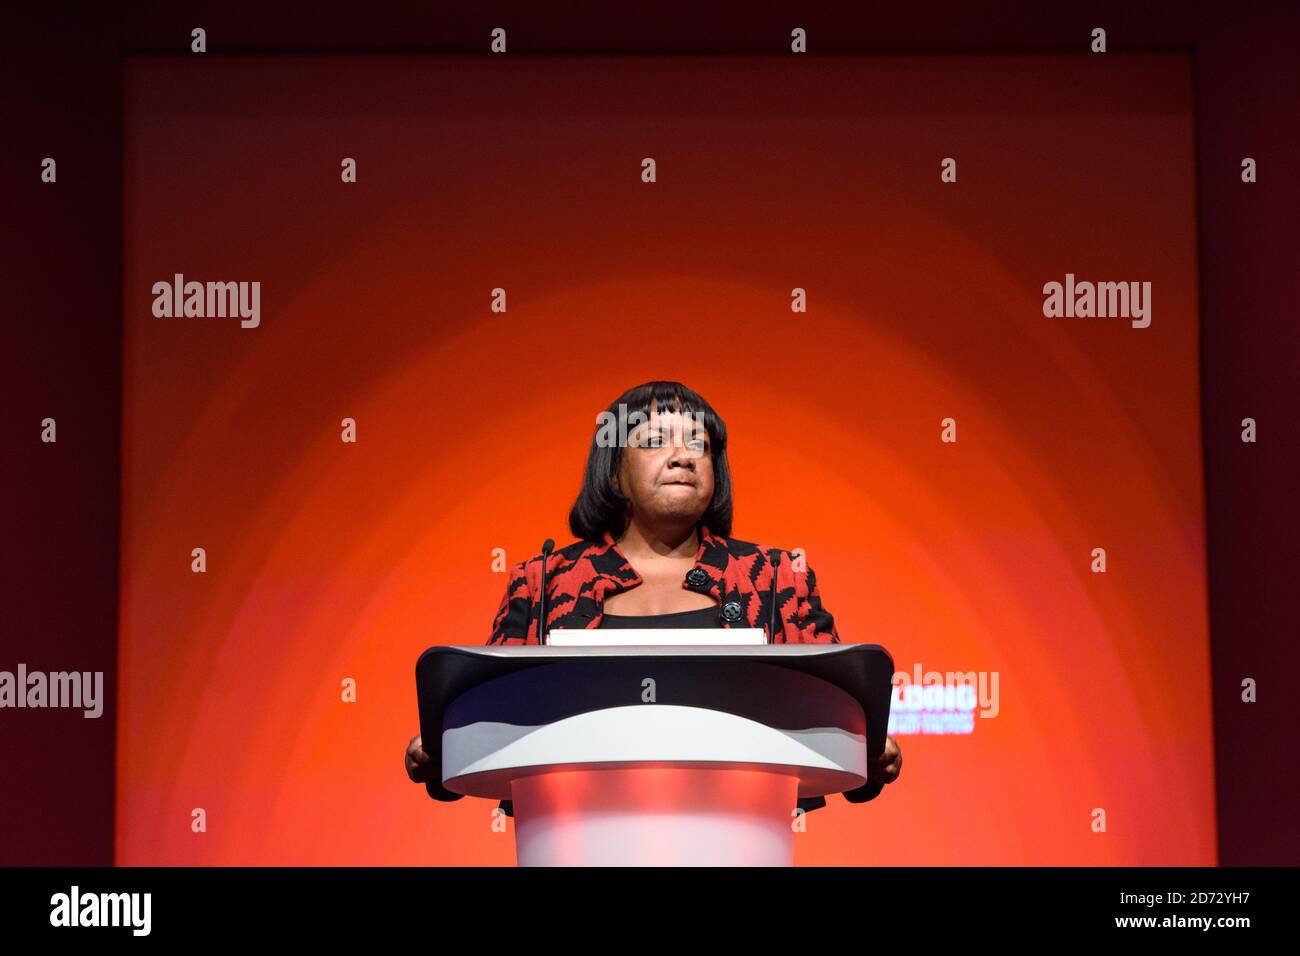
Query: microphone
508,806
775,557
547,547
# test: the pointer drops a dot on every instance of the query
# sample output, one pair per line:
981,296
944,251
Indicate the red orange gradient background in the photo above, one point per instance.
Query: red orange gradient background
329,560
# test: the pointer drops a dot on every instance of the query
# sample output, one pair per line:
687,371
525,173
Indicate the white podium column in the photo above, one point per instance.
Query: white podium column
655,816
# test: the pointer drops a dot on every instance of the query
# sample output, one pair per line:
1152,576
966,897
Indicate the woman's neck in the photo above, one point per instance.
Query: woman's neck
640,541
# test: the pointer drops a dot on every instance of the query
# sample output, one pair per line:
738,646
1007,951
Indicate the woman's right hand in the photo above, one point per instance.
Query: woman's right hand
419,765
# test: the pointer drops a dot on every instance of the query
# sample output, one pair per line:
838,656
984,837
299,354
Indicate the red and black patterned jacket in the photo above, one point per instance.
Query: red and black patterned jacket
737,574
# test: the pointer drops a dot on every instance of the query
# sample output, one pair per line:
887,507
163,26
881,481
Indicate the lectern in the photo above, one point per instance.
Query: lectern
648,755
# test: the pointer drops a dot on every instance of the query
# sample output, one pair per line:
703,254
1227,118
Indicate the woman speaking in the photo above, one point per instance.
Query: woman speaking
654,548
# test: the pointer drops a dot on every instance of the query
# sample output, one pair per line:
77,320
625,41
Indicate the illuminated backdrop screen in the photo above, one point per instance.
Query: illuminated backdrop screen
958,447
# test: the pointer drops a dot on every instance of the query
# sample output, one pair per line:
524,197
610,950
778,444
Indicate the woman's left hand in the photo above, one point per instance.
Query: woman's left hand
886,767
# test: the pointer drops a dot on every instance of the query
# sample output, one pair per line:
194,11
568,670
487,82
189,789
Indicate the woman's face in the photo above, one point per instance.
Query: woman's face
667,469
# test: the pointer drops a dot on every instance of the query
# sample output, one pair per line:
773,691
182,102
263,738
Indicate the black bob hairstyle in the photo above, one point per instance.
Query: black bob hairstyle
600,507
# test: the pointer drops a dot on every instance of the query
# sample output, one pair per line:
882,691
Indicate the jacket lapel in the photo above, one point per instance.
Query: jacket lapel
614,573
